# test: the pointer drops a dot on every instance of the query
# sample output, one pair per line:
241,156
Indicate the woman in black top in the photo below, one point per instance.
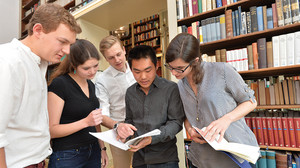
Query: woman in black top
73,110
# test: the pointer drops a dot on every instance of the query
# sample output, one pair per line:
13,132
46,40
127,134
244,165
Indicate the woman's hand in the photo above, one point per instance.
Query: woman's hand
104,159
94,118
217,127
195,136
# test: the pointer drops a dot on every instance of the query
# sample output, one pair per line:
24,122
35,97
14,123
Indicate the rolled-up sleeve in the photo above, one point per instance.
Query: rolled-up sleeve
236,85
103,97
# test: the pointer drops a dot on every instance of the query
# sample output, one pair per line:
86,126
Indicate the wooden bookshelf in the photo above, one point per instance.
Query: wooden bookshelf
278,106
145,22
154,28
148,39
279,148
28,5
291,70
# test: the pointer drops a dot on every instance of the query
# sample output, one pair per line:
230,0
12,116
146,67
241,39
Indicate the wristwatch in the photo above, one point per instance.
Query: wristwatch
116,126
103,149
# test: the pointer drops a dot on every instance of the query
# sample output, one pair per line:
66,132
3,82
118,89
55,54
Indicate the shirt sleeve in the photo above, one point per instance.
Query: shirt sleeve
175,117
236,85
129,115
57,87
10,94
103,97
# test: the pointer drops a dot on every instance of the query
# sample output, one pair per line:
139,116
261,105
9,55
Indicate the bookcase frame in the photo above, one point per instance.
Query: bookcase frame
244,40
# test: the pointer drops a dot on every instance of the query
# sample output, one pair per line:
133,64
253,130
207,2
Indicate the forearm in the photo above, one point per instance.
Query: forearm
2,158
240,111
168,132
187,124
108,122
62,130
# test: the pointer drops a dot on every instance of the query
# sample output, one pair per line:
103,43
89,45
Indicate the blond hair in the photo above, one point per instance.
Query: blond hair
109,41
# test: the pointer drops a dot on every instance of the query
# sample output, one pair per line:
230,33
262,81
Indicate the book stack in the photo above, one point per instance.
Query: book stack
278,159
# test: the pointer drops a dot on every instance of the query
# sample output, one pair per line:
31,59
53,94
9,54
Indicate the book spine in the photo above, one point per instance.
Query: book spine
270,134
260,131
286,135
287,14
270,54
290,41
255,55
275,130
254,128
297,130
260,19
233,17
262,53
280,132
275,42
274,12
269,18
195,6
228,22
250,57
292,132
254,24
199,6
280,18
264,8
248,20
222,26
297,49
295,11
282,50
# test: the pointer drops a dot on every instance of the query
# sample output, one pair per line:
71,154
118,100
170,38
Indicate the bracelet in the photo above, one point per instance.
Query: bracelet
103,149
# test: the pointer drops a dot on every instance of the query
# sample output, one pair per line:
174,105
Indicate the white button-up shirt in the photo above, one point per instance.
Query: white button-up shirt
24,126
111,86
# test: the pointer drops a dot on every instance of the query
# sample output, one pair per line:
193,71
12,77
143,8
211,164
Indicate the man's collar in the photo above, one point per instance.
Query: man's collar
115,72
27,50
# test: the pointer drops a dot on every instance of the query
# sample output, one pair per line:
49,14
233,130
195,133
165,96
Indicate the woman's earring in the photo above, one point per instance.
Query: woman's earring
74,71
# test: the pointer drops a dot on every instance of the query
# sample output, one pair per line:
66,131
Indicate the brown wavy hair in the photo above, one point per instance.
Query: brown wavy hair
186,47
81,51
50,16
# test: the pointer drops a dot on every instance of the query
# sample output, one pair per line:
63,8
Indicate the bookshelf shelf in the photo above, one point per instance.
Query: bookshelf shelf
279,148
27,18
246,39
28,5
69,5
154,28
278,106
274,71
148,39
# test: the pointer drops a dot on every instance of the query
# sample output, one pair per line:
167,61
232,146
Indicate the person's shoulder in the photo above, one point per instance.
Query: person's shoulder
60,80
165,83
132,87
104,76
9,54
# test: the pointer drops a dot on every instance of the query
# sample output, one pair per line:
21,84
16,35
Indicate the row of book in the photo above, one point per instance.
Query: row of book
186,8
278,91
145,27
235,23
153,43
146,19
278,159
147,35
275,128
283,50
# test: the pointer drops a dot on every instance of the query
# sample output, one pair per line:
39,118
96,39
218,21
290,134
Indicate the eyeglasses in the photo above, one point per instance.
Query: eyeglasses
177,70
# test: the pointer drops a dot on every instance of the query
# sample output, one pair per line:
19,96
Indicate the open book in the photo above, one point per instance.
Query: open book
110,137
247,152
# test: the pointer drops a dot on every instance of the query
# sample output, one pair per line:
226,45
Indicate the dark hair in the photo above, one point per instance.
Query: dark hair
50,15
142,51
186,47
81,51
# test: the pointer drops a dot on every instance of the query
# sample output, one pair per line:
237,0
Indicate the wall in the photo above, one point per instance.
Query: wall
9,20
94,34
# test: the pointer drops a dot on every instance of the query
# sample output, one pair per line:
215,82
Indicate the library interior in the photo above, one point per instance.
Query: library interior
257,38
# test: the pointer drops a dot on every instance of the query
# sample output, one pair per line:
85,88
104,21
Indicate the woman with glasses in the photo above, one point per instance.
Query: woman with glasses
214,96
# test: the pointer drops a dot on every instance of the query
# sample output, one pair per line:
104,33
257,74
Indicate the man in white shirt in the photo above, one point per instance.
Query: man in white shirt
111,86
24,129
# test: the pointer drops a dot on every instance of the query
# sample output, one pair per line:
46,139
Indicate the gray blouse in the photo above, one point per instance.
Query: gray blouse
222,90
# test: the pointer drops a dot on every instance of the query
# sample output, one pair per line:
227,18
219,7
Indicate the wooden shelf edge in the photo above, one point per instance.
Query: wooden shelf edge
146,39
145,31
69,5
279,148
29,4
26,18
278,106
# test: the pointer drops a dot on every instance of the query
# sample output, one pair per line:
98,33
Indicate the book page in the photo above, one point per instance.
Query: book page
110,137
247,152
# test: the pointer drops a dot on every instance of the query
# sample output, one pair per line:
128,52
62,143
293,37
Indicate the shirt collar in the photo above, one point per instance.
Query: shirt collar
155,83
27,50
115,72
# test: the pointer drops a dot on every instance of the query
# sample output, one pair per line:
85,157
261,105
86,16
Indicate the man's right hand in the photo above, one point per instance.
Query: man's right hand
125,130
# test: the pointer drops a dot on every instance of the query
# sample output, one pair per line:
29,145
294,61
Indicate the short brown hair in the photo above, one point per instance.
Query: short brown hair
107,42
50,16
